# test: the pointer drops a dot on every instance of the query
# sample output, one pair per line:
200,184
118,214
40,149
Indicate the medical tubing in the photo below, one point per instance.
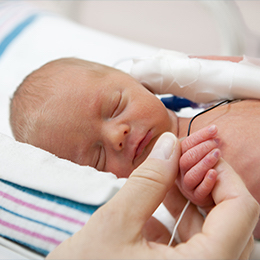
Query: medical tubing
178,222
206,110
188,133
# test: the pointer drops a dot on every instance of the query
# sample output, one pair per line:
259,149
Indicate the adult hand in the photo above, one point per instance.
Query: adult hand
115,229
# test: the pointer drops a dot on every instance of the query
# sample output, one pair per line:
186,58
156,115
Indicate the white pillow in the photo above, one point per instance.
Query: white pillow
35,168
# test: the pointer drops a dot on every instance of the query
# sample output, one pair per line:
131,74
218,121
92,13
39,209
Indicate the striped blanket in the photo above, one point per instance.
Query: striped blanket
45,199
14,18
38,220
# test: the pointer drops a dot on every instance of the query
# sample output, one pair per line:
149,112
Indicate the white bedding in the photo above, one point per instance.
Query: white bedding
50,37
46,38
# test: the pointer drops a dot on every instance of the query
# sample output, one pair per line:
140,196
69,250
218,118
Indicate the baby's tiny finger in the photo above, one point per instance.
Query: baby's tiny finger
198,137
197,173
205,188
196,154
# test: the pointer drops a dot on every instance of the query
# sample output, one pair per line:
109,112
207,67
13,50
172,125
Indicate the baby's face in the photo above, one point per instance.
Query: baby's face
110,123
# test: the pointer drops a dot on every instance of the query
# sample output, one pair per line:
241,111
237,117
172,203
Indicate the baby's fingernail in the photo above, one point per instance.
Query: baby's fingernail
216,153
212,129
217,141
164,147
212,174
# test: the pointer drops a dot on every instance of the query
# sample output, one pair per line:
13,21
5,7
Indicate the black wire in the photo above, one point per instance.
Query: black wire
208,109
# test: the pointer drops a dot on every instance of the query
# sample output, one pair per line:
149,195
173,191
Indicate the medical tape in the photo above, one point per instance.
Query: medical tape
199,80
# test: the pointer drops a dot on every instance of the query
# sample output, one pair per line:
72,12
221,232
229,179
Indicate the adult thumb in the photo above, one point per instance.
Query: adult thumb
148,184
116,227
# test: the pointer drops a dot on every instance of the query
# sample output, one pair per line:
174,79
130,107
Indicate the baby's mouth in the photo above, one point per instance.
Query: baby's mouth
143,143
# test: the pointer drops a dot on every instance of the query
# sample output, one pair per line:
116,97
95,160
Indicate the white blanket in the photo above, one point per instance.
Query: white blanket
28,39
49,37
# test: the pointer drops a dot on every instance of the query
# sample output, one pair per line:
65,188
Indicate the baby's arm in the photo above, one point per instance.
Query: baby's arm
197,176
199,80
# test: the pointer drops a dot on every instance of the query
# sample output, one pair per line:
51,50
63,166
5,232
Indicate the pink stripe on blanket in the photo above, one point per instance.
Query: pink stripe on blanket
42,210
29,233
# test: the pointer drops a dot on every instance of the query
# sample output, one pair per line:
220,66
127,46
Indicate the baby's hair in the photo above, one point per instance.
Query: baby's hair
29,104
26,104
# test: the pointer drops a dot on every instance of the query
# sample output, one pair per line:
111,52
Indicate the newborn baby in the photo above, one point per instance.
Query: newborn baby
99,116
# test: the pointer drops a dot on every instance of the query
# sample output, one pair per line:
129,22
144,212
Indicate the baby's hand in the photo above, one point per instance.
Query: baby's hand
197,176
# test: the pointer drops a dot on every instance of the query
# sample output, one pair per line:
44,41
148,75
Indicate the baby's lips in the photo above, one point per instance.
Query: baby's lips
143,143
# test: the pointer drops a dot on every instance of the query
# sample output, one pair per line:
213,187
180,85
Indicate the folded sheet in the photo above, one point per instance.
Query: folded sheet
45,200
37,169
37,220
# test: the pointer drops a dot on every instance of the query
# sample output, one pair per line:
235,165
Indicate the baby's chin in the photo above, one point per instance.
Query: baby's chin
144,155
127,172
124,173
172,127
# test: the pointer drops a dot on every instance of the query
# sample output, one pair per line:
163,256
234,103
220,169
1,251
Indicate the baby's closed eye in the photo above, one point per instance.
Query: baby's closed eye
116,105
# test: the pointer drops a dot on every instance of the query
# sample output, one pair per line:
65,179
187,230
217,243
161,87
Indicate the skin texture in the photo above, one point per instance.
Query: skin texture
88,124
113,234
238,125
105,121
197,177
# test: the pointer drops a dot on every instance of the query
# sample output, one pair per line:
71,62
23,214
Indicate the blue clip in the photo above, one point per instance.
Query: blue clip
177,103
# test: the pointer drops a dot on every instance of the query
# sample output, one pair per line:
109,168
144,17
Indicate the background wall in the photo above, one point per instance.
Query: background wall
195,27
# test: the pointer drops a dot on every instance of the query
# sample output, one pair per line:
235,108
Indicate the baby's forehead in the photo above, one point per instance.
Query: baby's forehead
79,77
78,64
65,72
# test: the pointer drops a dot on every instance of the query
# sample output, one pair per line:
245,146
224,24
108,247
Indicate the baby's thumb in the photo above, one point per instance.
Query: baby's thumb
148,184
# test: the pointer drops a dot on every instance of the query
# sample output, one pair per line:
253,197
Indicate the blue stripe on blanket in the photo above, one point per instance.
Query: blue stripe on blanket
90,209
36,221
36,249
16,31
28,235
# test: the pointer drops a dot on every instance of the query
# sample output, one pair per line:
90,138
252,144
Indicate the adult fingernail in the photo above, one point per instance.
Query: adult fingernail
164,147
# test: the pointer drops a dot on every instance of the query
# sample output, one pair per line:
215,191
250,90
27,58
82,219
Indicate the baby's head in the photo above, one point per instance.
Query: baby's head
90,114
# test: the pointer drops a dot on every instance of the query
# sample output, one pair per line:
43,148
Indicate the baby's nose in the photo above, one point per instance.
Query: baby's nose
117,136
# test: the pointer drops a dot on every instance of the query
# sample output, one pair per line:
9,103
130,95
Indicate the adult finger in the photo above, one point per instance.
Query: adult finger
248,249
148,184
115,229
236,213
